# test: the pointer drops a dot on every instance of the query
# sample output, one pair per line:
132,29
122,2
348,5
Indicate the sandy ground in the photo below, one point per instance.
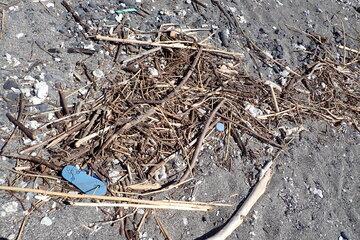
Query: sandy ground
314,193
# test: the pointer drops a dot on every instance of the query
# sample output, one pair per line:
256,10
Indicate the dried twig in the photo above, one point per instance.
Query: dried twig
29,133
200,142
195,205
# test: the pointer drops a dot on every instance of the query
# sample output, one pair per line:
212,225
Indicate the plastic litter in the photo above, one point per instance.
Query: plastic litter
127,10
220,127
84,182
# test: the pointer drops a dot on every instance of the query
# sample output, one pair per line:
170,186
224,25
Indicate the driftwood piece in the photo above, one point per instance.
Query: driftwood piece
244,210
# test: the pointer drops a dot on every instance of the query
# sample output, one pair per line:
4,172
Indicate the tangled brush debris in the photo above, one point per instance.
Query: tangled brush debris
141,127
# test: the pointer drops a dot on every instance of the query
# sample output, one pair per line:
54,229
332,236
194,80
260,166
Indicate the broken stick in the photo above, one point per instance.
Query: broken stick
244,210
29,133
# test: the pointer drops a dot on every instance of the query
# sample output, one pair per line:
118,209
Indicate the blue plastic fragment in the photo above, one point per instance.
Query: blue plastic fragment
220,127
85,183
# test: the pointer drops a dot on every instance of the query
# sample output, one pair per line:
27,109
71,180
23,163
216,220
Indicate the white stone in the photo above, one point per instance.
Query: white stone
29,78
153,72
90,46
98,73
119,18
41,90
20,35
50,5
46,221
33,124
317,191
185,221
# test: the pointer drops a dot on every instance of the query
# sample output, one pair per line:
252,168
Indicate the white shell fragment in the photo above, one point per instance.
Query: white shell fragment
98,73
46,221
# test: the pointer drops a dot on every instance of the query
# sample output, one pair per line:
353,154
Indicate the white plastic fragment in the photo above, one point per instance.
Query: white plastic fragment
29,78
46,221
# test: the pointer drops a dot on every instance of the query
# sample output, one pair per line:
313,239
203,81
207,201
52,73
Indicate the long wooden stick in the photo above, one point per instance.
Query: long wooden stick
240,215
198,205
134,205
159,44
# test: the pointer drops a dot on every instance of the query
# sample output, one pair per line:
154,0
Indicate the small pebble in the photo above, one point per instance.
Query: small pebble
153,72
98,73
46,221
20,35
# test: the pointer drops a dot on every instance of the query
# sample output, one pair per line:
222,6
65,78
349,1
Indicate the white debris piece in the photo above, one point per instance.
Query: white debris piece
140,211
114,176
98,73
161,174
33,124
185,221
90,46
119,18
41,90
46,221
41,93
50,5
42,198
2,181
20,35
29,78
254,111
69,233
10,207
153,72
15,90
11,236
317,191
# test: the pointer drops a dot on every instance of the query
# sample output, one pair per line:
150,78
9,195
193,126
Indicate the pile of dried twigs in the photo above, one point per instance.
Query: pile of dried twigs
164,101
